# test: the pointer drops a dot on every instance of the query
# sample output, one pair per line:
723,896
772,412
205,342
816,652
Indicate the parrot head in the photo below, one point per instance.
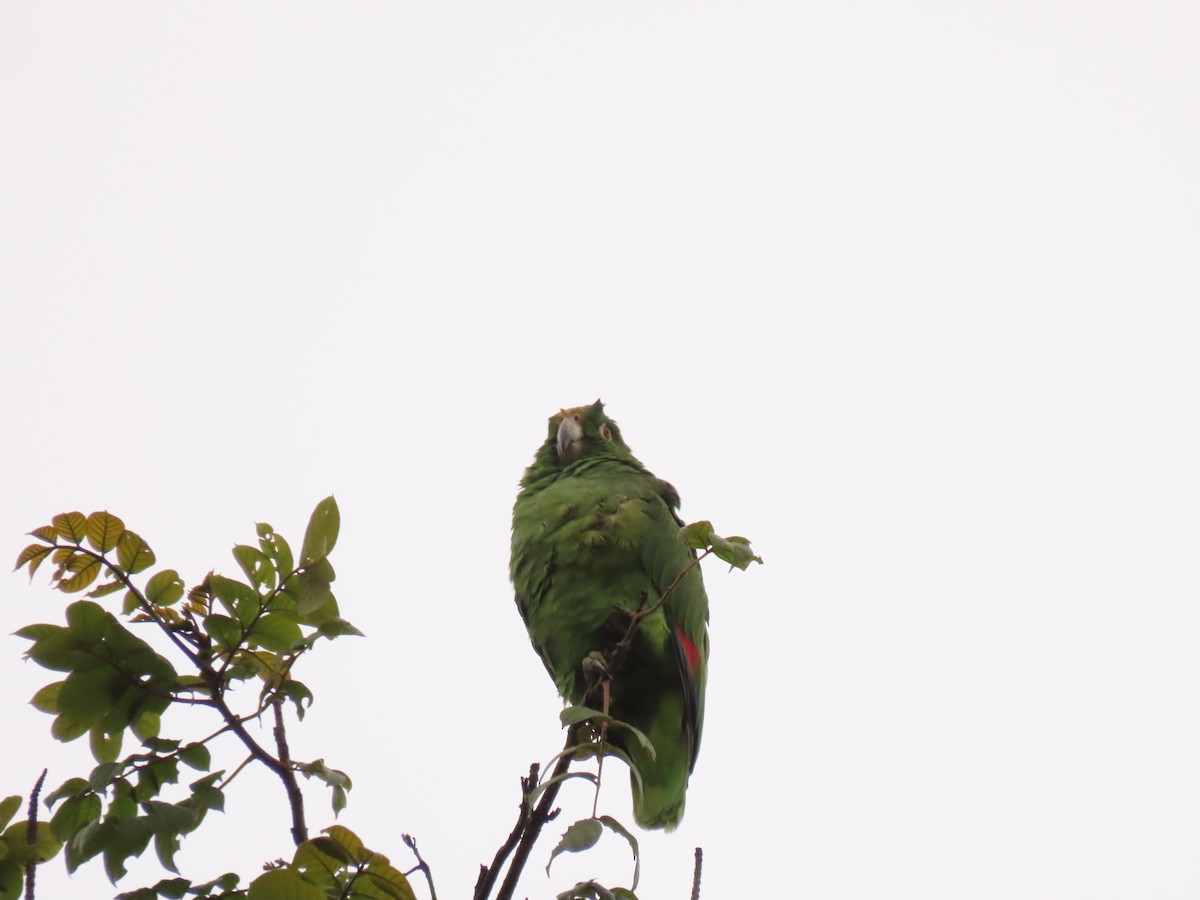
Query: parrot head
583,432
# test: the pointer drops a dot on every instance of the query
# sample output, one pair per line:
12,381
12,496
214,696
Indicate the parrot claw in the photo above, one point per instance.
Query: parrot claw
597,675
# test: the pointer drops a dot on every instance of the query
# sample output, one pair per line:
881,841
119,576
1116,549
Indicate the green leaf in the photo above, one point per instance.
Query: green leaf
88,695
165,588
70,788
89,620
133,554
298,693
573,715
204,795
593,890
8,809
102,775
12,878
277,549
72,526
197,756
336,627
330,847
697,535
581,835
126,838
224,630
337,780
283,884
46,699
45,846
171,888
256,565
735,551
275,632
241,600
380,881
66,729
315,603
147,724
105,747
75,814
613,825
37,632
589,777
322,532
103,531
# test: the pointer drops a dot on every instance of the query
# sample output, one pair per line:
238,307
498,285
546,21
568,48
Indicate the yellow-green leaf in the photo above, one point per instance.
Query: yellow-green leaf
147,725
33,556
86,569
45,533
104,590
105,747
8,808
43,848
133,553
322,532
72,526
283,884
46,699
66,729
165,588
103,531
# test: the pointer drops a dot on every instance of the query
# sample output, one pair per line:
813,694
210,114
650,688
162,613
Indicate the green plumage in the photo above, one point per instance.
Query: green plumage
595,533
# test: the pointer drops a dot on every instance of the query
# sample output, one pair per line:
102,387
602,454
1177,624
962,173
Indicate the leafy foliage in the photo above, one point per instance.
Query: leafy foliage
733,550
226,631
224,635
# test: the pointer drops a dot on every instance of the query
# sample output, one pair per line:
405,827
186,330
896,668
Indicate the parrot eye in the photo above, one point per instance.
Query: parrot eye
606,432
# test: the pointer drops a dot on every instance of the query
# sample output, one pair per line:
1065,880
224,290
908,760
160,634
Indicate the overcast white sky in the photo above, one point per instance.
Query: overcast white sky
907,293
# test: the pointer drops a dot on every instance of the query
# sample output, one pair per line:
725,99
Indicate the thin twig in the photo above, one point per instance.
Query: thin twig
696,874
224,782
606,687
411,843
31,834
617,657
146,606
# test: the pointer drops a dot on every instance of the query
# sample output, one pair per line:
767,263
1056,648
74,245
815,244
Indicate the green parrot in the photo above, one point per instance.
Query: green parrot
595,537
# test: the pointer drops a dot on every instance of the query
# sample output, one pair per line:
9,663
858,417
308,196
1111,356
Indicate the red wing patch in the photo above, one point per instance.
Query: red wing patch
690,653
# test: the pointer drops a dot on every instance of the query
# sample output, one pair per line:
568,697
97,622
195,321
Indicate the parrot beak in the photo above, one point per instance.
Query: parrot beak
570,439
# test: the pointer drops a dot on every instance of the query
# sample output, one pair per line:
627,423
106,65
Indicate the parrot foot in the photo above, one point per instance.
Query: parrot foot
598,675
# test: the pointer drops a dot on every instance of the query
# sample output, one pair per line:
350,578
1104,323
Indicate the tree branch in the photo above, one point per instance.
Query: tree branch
488,875
539,817
696,874
288,775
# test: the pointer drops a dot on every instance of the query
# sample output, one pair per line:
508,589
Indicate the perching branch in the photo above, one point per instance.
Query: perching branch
488,874
529,826
696,874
